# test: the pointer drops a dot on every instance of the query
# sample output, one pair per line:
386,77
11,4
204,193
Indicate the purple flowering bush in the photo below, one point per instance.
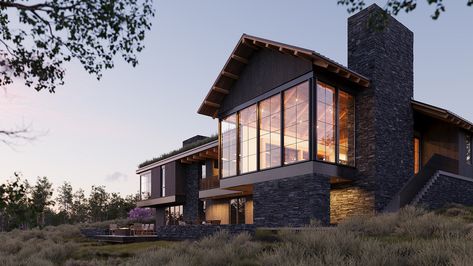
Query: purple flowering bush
140,214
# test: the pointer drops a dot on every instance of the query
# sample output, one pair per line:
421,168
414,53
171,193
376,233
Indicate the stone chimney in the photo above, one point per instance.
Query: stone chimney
381,48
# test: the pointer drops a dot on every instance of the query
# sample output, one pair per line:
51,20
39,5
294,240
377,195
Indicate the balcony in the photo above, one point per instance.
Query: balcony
209,183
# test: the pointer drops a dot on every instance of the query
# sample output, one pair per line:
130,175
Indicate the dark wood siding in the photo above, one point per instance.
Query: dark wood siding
266,70
156,182
180,179
171,179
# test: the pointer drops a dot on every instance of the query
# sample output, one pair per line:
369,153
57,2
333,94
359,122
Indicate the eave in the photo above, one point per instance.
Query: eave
241,55
442,114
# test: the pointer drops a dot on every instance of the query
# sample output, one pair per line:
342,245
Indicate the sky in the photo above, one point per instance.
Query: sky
96,132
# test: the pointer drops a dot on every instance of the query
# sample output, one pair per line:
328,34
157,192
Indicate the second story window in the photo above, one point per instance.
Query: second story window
163,181
247,138
270,132
229,145
325,123
468,143
346,129
204,171
145,188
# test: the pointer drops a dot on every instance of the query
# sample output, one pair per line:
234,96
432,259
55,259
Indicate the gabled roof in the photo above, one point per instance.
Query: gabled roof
240,57
442,114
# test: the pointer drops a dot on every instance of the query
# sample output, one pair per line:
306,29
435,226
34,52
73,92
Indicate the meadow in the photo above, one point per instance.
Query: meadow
412,236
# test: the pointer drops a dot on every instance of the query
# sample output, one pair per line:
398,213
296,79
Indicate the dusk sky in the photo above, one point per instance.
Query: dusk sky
97,132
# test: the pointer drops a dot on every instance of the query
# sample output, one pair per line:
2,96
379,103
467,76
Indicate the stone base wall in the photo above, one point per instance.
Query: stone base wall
348,201
293,201
447,189
184,232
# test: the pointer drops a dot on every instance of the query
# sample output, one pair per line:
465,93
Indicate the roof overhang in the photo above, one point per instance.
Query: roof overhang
442,114
240,57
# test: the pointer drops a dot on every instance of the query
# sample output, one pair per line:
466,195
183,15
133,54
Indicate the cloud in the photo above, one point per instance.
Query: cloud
117,176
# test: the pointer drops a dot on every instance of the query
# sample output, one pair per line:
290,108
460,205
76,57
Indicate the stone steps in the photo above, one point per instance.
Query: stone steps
426,188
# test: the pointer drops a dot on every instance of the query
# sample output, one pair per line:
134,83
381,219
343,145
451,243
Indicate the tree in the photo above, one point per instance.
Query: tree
65,200
79,207
52,32
14,206
41,198
98,200
396,6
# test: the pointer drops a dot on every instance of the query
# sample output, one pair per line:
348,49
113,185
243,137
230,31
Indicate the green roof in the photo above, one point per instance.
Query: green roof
177,151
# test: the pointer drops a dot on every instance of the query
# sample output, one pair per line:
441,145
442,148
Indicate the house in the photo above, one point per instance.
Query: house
304,138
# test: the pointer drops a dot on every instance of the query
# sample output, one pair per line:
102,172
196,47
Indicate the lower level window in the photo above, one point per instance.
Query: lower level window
174,215
237,211
416,155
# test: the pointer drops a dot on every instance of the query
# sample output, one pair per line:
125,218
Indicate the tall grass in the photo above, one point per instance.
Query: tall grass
410,237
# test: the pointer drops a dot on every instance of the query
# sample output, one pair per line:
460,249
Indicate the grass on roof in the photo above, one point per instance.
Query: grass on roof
180,150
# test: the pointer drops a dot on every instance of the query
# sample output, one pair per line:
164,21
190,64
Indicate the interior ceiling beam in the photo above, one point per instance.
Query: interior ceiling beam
240,59
220,90
229,75
212,104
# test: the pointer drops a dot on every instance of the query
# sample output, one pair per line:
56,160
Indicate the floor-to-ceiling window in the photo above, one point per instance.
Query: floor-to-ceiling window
247,125
174,214
270,132
237,211
296,123
417,157
163,181
229,145
346,129
325,123
145,186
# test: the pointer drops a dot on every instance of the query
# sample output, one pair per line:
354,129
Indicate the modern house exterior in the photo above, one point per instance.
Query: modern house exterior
304,138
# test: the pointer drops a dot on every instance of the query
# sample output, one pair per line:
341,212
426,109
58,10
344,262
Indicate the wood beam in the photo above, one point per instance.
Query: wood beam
185,161
212,104
196,157
220,90
205,155
320,63
190,159
229,75
240,59
249,43
344,74
364,83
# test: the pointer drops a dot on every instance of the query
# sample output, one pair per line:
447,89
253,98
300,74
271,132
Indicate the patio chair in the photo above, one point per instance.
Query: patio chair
137,229
112,228
151,231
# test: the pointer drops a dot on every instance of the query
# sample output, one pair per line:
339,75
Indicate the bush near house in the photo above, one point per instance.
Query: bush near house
410,237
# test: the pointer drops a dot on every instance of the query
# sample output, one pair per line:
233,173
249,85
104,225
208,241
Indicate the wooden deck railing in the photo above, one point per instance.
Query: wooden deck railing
209,183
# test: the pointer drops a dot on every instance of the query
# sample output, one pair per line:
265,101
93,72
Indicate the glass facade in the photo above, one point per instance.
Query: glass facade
468,143
229,145
270,132
325,123
173,215
247,139
145,188
276,130
296,124
346,129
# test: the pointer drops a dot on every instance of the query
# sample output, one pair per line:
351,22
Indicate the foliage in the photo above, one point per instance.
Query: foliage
411,237
41,198
49,33
177,151
140,214
396,6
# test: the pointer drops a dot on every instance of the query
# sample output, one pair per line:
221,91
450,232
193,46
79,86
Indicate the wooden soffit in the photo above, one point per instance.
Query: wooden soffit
442,114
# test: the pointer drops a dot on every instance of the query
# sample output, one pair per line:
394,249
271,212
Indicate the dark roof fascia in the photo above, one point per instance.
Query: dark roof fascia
442,114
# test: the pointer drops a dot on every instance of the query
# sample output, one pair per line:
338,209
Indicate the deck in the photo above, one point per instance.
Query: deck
125,239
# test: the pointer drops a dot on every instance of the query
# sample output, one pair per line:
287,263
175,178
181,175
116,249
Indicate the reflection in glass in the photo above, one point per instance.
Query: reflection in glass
416,155
325,123
346,124
145,186
270,132
229,145
174,214
247,126
237,211
296,123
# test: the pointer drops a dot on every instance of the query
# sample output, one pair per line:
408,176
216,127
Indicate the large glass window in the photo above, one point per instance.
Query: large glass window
163,181
325,123
468,147
296,123
237,211
145,189
346,129
416,155
174,215
248,127
229,145
270,132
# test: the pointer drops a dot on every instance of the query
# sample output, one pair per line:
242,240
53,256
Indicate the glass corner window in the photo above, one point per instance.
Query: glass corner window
145,186
229,145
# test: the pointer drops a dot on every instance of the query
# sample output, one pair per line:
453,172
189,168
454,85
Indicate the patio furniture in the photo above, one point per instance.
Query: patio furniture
123,231
149,229
137,229
113,228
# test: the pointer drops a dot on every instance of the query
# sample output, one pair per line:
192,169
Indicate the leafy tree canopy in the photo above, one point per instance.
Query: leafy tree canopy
396,6
38,37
